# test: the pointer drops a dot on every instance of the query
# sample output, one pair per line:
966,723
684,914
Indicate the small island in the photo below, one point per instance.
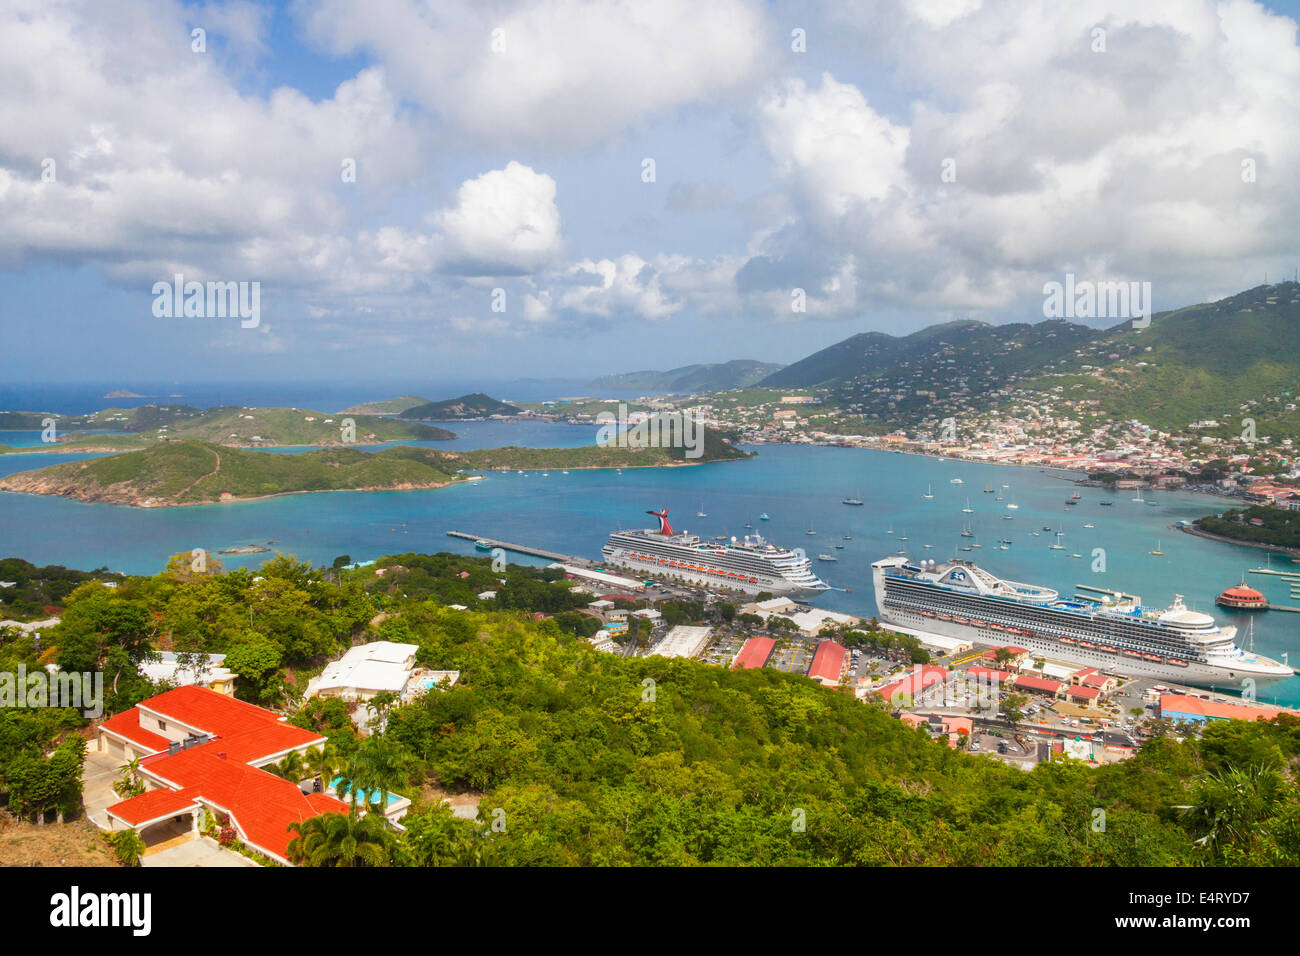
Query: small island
192,472
232,426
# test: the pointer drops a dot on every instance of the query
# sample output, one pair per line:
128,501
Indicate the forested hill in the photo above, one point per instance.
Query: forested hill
474,405
1194,364
193,472
690,379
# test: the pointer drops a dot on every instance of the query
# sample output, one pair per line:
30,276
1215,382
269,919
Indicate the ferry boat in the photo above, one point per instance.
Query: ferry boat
856,502
751,564
482,545
827,557
1139,640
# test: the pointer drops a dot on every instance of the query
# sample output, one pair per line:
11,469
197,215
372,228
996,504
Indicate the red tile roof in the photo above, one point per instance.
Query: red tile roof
917,680
127,724
828,661
219,773
1038,683
1086,693
754,654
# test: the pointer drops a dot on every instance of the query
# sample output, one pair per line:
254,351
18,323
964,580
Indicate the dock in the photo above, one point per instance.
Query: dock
524,549
1280,574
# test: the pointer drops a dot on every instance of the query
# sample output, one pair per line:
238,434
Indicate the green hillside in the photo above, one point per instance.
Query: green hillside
192,472
474,405
690,379
390,406
196,472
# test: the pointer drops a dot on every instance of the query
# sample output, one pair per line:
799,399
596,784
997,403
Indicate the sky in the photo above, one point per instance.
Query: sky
567,189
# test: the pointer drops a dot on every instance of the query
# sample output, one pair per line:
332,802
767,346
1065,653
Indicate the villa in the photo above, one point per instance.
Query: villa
202,751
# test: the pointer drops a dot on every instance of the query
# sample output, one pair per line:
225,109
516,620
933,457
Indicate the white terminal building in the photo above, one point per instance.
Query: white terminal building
683,641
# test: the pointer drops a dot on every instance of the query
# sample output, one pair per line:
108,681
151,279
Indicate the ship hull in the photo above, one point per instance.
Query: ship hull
773,583
1196,674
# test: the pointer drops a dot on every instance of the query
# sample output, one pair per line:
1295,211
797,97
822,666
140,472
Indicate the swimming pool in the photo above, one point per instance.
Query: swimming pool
363,798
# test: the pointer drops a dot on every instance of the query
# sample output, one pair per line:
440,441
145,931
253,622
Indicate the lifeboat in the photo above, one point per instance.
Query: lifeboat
1128,653
1106,649
1177,663
1066,640
962,620
1087,644
928,613
1152,657
979,624
945,617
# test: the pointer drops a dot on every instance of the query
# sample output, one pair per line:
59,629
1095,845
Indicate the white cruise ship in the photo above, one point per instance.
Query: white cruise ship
751,564
962,600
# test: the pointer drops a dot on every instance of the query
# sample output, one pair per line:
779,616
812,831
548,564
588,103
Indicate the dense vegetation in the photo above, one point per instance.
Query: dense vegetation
1279,526
588,758
38,592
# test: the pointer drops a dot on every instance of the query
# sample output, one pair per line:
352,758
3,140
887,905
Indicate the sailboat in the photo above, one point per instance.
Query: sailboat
967,532
890,531
1058,546
810,529
968,510
988,490
701,513
902,537
1157,552
1139,498
928,492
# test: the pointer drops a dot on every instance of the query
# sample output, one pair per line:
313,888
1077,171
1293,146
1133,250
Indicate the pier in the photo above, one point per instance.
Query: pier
524,549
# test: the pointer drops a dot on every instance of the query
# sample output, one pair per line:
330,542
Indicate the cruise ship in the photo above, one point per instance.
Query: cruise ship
751,564
962,600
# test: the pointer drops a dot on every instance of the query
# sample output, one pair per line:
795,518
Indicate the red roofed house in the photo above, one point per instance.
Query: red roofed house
754,654
1084,694
828,663
946,724
1038,685
200,750
918,679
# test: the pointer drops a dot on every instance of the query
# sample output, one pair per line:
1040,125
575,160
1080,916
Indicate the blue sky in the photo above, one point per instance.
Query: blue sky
1159,150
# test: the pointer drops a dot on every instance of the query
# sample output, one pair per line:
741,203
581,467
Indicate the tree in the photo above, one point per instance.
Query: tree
342,561
293,767
257,662
129,784
341,839
323,763
128,847
1002,657
1013,707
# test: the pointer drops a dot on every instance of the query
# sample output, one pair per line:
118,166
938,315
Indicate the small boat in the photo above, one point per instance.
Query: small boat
1090,525
902,537
856,502
966,532
928,492
955,481
1047,527
1006,541
1105,504
701,513
1076,496
564,472
968,510
1013,507
839,547
1071,501
1157,552
968,548
764,517
810,531
927,546
748,525
988,490
1076,555
849,537
480,544
827,557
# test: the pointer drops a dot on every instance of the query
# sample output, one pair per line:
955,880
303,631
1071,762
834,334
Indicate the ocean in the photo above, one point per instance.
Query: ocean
800,487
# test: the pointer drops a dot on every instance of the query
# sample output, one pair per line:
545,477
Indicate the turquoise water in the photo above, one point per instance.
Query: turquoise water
798,486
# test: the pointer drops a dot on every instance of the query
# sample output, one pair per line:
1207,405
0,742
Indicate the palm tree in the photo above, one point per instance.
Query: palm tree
292,768
323,763
128,847
340,839
1231,805
130,784
377,767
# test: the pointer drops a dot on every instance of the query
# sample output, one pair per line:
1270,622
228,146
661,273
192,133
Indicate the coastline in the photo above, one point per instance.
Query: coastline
1262,546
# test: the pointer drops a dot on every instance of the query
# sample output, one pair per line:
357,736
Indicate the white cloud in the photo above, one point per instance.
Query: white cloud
572,72
504,221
